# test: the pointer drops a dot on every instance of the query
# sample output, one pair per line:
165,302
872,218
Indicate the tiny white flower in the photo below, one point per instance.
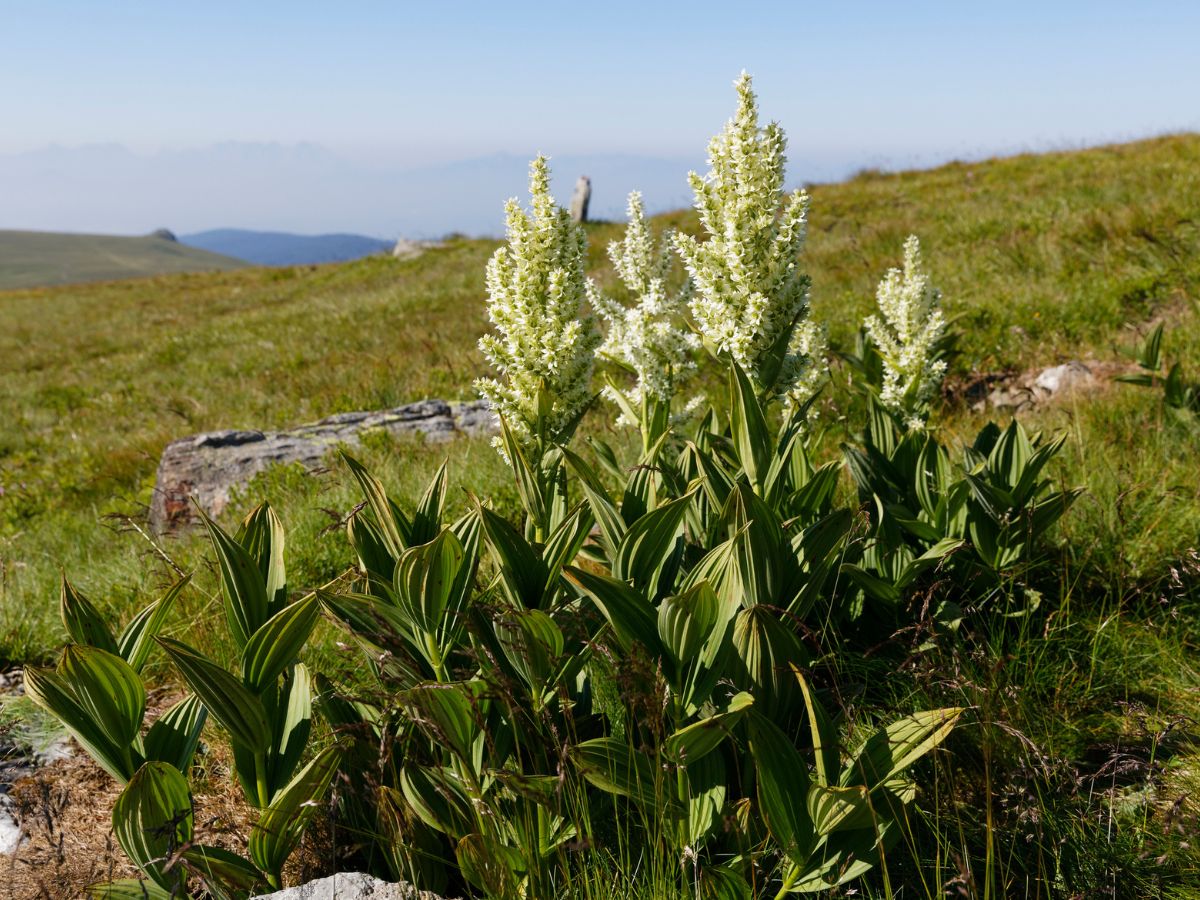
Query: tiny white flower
906,332
536,287
749,294
647,338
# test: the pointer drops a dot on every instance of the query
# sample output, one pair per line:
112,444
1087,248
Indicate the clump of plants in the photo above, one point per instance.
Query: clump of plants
628,687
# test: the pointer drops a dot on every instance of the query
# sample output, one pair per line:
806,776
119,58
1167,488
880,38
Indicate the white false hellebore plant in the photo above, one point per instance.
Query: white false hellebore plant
543,348
907,333
751,300
648,339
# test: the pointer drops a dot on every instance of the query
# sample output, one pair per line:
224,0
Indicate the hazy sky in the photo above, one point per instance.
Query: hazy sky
413,84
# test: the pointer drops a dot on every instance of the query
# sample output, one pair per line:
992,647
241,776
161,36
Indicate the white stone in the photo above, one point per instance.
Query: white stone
350,886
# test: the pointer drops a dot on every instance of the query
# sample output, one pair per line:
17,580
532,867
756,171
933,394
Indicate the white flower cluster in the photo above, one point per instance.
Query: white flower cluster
647,338
751,301
536,286
906,332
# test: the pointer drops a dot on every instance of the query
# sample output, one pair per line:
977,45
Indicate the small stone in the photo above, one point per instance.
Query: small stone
350,886
406,249
580,199
1065,377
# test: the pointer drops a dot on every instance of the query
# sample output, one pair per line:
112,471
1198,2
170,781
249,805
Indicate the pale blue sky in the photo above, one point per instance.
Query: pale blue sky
414,84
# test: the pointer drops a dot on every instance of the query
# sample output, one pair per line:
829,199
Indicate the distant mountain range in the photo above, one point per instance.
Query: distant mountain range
305,189
38,258
279,248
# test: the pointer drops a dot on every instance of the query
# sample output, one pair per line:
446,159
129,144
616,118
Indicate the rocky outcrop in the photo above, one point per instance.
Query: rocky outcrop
1037,387
350,886
581,199
406,249
209,466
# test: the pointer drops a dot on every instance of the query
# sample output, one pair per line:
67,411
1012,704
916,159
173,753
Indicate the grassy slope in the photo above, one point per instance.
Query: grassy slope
38,258
1044,258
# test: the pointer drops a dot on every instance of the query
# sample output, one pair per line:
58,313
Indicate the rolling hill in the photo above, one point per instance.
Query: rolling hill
41,258
279,248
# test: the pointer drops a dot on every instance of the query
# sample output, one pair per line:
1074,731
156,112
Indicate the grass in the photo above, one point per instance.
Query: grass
1082,737
38,258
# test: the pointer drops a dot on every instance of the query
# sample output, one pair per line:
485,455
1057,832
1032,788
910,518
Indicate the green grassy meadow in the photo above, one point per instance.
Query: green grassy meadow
38,259
1080,763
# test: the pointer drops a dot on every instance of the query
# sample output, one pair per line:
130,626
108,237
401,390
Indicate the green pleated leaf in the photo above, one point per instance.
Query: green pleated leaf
839,808
138,636
230,702
627,610
783,784
108,689
82,620
53,694
173,738
489,865
427,518
522,573
129,889
219,869
242,584
437,799
532,643
752,438
375,560
292,724
693,742
824,738
644,554
281,825
616,767
393,528
449,714
152,820
763,649
528,486
426,577
612,526
686,621
262,535
275,645
892,750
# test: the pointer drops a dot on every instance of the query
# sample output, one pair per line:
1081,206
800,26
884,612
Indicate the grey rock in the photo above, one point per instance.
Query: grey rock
209,466
406,249
1068,376
1039,386
581,198
350,886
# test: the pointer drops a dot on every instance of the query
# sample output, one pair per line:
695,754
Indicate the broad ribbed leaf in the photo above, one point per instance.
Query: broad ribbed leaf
890,751
129,889
612,526
393,528
751,437
824,738
763,648
489,865
281,825
138,637
686,621
437,800
839,808
53,694
532,643
236,708
174,736
374,557
108,689
277,643
783,784
528,486
82,620
616,767
242,584
263,537
644,554
695,741
152,820
219,869
448,713
425,580
627,610
522,572
427,518
291,724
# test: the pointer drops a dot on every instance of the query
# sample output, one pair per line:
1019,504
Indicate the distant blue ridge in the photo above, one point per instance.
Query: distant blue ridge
278,248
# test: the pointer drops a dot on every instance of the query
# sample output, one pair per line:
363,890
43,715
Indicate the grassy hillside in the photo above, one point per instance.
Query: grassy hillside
39,258
1040,258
